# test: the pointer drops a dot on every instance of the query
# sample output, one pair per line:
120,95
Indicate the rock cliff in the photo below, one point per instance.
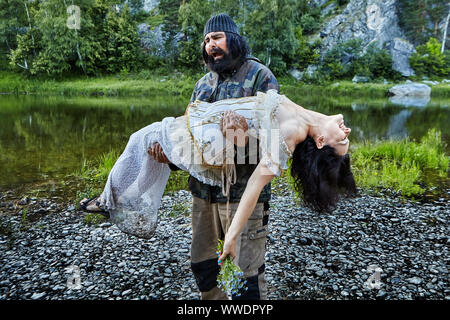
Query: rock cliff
370,21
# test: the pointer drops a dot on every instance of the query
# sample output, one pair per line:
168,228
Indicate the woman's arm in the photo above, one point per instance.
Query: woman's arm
259,178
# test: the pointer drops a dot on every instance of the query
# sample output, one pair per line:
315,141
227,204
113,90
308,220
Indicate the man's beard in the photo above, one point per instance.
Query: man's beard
223,65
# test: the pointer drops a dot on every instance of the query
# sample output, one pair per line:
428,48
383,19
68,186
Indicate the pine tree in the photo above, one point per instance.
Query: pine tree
271,34
192,16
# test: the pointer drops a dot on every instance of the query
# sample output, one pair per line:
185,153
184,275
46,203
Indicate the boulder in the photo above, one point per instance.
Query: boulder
433,83
360,79
296,74
410,90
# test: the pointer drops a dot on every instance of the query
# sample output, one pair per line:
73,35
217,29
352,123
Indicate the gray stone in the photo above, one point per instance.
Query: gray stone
296,74
415,280
410,90
360,79
37,296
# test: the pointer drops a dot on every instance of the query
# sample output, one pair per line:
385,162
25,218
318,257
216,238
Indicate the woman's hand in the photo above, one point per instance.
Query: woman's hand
229,249
158,154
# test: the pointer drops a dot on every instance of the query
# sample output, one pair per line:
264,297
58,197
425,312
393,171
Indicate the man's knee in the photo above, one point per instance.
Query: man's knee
205,274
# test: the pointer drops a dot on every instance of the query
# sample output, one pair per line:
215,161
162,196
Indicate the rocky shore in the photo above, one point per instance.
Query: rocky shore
49,252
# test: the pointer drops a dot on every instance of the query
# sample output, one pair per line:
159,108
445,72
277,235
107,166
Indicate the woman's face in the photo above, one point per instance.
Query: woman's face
336,134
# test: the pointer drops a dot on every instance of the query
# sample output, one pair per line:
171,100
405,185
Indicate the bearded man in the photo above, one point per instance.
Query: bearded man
233,74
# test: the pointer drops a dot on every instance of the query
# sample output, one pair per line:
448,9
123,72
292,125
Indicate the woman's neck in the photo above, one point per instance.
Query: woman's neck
300,122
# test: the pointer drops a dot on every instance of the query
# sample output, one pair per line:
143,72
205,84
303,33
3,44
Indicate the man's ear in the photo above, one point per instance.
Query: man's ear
319,141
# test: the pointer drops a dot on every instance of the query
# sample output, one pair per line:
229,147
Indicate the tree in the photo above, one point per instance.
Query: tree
192,16
428,60
105,40
168,10
270,32
306,54
416,15
123,51
13,20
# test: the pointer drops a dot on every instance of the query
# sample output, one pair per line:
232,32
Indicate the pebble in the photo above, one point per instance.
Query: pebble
309,255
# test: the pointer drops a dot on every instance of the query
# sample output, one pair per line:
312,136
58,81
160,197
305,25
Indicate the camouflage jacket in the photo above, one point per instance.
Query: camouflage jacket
251,77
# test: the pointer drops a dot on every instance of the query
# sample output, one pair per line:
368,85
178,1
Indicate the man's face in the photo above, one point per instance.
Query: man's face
216,45
217,57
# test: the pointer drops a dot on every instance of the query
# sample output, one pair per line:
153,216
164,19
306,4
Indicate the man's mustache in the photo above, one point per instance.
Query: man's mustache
217,50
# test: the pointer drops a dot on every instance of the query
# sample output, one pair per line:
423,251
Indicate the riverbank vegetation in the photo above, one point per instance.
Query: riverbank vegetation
148,84
406,167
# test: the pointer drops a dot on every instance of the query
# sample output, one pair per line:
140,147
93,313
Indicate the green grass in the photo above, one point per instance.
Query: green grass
141,84
94,219
93,175
150,83
350,89
406,167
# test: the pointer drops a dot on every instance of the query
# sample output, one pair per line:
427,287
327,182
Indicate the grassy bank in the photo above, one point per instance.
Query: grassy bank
122,85
147,83
409,168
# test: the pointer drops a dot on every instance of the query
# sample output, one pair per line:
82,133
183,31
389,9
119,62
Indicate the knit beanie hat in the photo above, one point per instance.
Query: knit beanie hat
220,22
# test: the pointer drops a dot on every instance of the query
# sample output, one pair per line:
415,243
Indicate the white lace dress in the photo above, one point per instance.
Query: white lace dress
193,143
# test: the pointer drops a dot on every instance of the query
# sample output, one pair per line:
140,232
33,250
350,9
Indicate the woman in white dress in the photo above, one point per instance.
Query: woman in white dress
203,142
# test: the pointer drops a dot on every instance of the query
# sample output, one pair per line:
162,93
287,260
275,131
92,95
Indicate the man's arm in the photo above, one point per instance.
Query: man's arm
265,81
157,152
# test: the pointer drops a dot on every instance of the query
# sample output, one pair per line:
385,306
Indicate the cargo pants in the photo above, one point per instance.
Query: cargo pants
209,223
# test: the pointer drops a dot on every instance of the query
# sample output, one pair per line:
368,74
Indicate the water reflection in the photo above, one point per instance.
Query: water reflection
410,101
45,138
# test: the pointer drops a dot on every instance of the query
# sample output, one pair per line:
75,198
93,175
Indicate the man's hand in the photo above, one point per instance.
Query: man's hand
234,127
158,154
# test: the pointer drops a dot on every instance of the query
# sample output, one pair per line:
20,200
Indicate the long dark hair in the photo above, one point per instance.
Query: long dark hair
238,51
320,175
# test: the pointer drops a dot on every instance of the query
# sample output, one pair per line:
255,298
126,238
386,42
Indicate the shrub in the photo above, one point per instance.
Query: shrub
429,61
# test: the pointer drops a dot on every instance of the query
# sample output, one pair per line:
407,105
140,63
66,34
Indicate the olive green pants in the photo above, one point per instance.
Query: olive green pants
210,222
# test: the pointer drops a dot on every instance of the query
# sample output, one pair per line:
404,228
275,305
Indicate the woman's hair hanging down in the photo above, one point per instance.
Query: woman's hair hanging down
321,175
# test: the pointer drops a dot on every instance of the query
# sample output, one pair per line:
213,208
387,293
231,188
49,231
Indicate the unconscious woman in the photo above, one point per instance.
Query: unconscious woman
203,143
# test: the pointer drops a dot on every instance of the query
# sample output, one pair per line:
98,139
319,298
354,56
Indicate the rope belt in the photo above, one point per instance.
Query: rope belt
228,178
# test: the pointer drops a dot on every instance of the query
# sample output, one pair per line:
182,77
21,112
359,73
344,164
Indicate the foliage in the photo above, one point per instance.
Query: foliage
192,16
429,61
271,35
13,20
342,2
106,41
379,62
349,59
420,18
306,53
122,41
